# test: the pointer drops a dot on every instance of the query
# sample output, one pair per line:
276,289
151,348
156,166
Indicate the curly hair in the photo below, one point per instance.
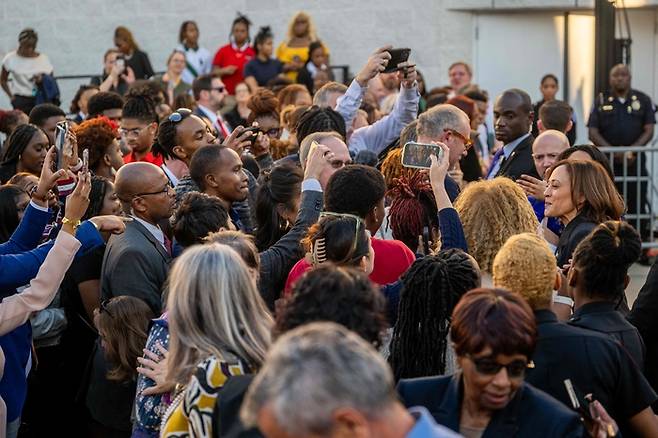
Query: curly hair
288,95
431,289
392,168
263,103
197,216
412,208
492,211
526,266
340,196
96,135
342,295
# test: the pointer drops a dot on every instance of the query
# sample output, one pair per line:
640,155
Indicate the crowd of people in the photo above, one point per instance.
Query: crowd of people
233,247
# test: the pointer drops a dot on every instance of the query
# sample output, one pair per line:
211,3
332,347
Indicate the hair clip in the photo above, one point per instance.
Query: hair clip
319,252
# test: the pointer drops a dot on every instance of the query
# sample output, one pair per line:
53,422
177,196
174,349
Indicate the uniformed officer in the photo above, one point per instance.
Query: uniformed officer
624,117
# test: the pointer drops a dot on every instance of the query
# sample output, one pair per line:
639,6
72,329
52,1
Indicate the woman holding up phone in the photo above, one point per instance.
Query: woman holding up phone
137,60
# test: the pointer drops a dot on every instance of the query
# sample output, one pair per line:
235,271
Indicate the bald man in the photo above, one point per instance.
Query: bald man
545,150
513,116
136,263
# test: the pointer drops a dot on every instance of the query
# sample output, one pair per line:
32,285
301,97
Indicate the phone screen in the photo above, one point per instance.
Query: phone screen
417,155
397,56
60,138
121,63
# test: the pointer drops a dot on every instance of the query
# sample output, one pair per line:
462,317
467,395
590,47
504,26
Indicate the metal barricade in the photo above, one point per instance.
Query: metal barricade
638,165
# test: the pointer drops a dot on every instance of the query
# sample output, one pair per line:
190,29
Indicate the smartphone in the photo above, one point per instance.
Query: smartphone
85,160
579,402
417,155
254,130
121,63
61,129
397,56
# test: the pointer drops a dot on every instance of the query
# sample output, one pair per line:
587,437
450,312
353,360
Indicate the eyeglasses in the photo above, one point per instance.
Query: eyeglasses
467,141
339,164
357,224
166,189
103,308
179,115
219,89
134,131
273,133
489,367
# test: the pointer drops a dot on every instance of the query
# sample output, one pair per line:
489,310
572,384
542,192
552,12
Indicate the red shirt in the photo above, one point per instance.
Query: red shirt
392,259
149,158
230,55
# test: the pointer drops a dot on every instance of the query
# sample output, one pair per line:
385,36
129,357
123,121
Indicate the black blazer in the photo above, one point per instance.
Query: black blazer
135,264
520,162
531,413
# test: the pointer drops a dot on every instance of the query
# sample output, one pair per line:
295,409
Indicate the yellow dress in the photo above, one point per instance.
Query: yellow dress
286,54
190,414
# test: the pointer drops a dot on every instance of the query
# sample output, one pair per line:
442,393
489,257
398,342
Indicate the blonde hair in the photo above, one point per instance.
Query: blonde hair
526,266
491,212
214,310
311,26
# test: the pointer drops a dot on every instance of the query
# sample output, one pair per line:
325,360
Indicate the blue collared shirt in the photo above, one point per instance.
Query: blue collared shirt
507,151
426,427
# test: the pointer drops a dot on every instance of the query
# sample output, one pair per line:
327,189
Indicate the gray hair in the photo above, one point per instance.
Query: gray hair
321,97
313,370
305,146
435,120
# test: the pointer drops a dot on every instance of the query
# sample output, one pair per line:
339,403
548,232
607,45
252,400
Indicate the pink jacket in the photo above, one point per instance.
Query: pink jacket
16,309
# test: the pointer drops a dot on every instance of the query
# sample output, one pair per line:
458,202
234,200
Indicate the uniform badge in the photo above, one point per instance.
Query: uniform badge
606,107
635,105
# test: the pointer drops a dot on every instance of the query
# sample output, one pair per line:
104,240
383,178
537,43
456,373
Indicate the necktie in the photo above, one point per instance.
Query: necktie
167,244
498,157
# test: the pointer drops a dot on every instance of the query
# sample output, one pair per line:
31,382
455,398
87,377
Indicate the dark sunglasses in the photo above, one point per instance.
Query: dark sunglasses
490,367
220,89
103,308
179,115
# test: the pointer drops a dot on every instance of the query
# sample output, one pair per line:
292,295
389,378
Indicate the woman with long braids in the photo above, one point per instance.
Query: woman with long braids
431,289
25,151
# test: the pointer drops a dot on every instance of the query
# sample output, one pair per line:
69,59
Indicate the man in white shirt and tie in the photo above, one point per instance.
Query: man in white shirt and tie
209,92
513,115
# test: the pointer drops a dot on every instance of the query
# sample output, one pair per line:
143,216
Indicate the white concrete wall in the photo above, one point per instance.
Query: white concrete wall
75,34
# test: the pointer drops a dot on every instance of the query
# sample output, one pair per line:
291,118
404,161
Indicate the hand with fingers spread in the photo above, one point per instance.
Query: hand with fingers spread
319,159
532,186
376,64
47,179
239,140
154,366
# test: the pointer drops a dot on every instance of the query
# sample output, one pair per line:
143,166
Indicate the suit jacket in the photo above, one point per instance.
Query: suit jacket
135,264
530,413
520,161
277,261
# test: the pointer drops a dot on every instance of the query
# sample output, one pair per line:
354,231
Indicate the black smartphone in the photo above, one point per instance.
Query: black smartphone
417,155
579,402
254,130
397,56
61,129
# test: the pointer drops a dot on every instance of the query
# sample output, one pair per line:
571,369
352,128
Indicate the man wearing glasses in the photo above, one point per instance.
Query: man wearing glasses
449,125
137,128
209,92
513,116
136,263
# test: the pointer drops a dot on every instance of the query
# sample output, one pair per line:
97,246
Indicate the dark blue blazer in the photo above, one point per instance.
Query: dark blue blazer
531,413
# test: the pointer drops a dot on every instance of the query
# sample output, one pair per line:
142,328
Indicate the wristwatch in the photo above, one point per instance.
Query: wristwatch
74,223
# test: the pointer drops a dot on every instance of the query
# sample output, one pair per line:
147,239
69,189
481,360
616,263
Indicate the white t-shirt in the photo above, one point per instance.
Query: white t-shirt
22,69
199,59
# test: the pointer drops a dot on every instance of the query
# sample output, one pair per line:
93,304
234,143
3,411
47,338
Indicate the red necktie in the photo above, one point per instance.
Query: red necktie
167,244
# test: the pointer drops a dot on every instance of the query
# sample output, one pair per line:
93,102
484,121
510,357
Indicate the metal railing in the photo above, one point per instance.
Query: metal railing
634,167
343,69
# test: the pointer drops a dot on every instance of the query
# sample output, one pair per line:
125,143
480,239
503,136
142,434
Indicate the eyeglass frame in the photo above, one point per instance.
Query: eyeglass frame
477,361
166,189
468,143
124,132
103,308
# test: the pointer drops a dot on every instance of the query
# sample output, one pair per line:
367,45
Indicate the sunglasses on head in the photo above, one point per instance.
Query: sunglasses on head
488,366
179,115
357,224
103,308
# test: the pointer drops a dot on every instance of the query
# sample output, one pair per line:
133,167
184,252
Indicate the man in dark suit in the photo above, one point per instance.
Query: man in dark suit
513,116
136,263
